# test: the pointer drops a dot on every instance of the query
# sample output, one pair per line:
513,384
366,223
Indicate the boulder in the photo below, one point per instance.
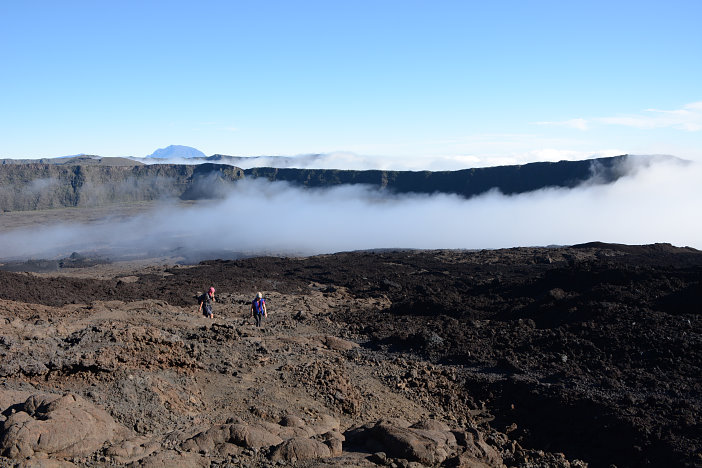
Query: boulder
10,398
205,442
397,440
132,450
324,424
46,463
338,344
292,421
334,440
253,436
298,449
296,441
476,449
293,426
432,425
61,426
172,459
216,438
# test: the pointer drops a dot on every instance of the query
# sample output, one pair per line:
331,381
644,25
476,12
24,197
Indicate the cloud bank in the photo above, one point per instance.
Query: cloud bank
351,161
658,202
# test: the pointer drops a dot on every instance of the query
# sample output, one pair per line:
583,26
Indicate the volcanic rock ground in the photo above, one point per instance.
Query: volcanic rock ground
523,357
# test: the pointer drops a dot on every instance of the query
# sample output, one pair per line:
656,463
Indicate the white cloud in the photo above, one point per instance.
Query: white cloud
688,118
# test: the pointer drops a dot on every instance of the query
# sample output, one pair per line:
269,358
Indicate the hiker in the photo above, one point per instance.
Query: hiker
207,299
258,309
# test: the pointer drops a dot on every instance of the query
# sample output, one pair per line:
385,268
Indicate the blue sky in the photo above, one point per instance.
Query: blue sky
479,82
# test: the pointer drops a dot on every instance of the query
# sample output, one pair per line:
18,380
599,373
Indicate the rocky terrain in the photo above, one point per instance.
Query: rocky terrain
550,357
91,181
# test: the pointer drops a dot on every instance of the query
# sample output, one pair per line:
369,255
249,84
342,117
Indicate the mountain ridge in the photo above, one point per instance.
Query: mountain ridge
508,180
92,180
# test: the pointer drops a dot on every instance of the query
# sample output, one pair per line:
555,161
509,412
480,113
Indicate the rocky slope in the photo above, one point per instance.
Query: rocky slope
37,186
520,357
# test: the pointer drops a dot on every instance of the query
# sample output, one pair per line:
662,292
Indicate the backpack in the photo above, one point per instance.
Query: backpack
258,305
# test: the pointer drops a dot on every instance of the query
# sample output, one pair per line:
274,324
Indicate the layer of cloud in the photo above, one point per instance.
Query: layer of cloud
351,161
658,203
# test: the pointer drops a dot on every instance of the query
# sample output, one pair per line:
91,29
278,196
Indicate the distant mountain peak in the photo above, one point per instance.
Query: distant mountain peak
177,151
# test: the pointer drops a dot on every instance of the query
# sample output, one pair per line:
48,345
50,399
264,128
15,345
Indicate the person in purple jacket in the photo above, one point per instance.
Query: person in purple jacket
258,309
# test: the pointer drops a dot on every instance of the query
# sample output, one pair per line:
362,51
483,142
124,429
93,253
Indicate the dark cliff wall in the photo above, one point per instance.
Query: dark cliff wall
35,186
468,182
44,186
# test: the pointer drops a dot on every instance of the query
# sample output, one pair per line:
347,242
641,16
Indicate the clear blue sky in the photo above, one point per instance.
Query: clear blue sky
486,81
